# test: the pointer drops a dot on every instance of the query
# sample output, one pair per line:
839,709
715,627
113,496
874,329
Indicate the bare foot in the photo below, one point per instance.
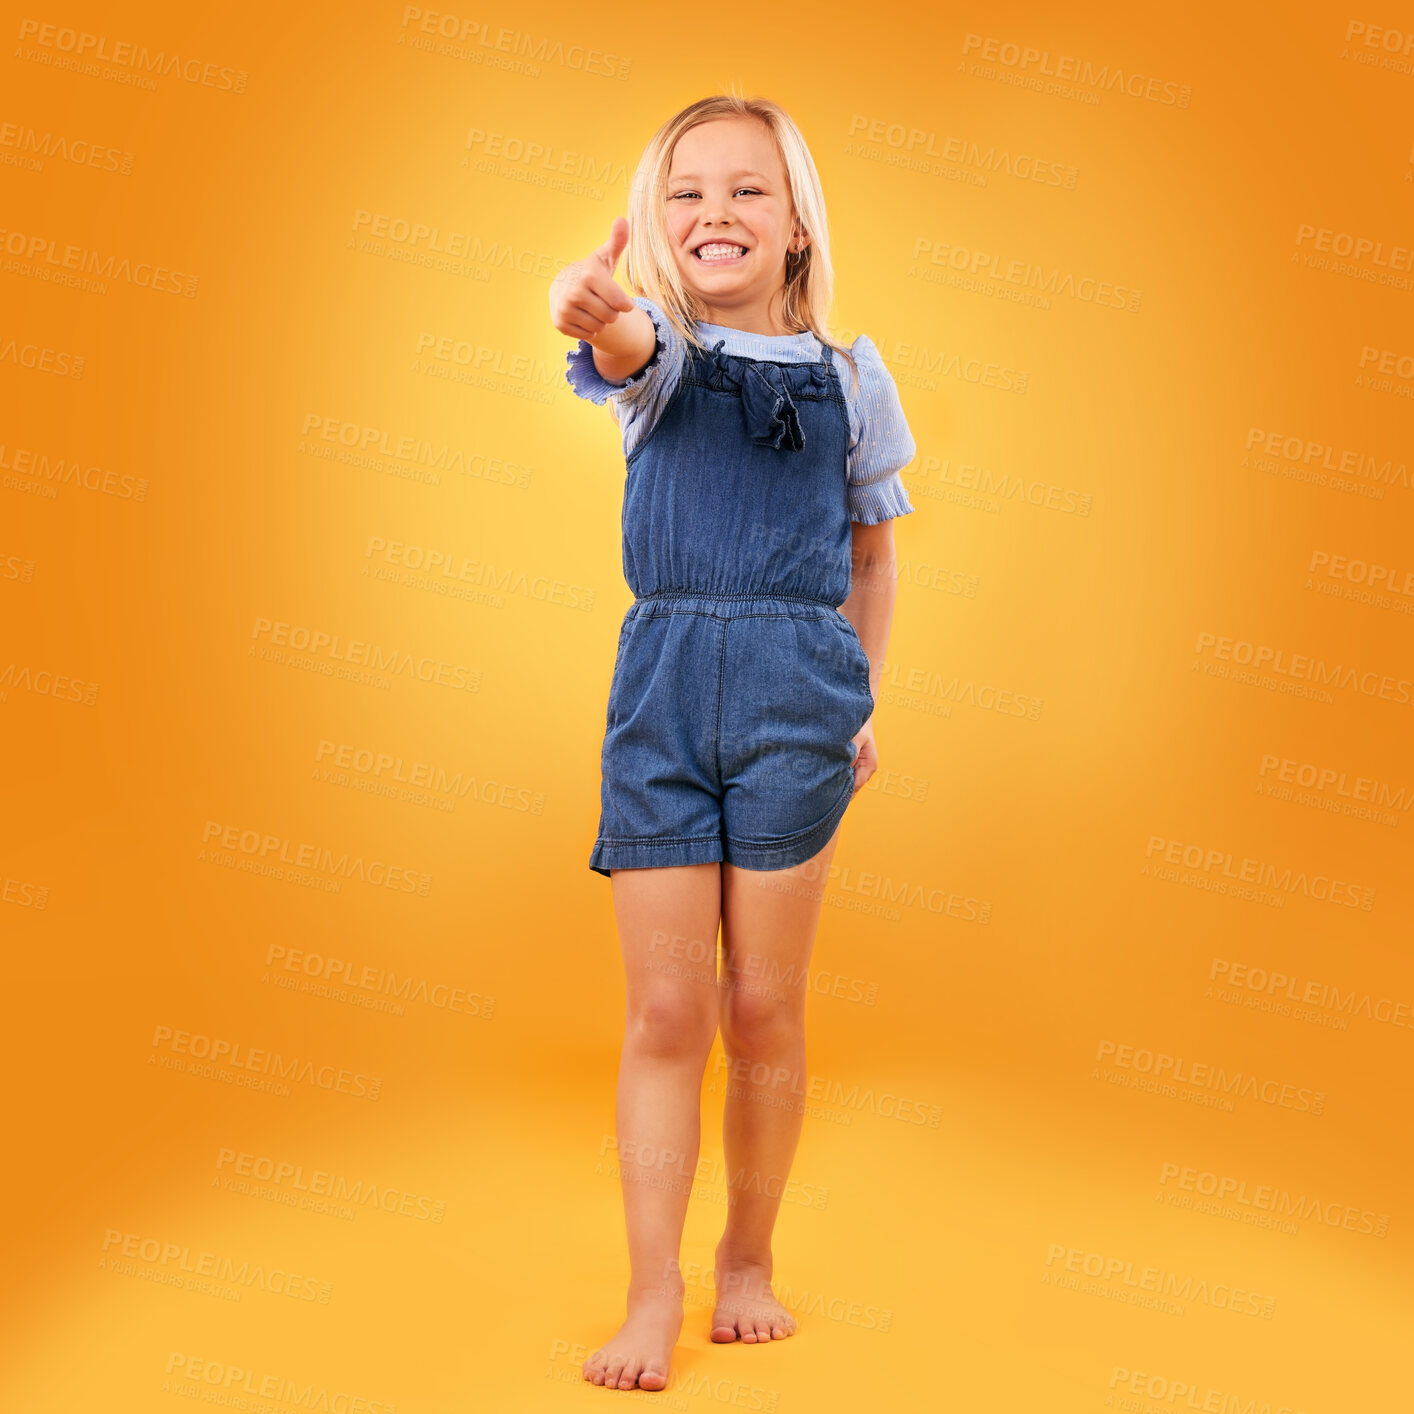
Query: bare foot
746,1305
640,1350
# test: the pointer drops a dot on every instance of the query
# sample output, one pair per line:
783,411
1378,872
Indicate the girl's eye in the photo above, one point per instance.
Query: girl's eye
678,195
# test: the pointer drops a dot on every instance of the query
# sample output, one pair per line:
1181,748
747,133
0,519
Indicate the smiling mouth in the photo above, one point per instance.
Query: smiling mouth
719,252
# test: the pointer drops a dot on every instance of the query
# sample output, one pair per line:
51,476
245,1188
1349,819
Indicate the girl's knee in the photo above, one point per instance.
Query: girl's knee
759,1021
668,1021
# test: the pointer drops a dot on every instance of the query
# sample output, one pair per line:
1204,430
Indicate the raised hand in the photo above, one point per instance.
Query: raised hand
584,297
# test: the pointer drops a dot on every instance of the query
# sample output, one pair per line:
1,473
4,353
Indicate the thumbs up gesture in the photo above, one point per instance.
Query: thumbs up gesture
584,297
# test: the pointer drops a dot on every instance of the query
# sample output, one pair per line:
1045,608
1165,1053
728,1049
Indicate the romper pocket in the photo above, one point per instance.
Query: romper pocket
624,635
855,654
623,638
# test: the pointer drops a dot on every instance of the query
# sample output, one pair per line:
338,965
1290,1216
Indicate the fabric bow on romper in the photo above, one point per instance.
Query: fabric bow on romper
738,684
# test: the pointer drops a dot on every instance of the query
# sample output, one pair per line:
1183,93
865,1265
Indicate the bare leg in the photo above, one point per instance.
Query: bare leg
768,931
667,921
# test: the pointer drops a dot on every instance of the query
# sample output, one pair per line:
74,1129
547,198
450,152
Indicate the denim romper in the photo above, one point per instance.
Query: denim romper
738,684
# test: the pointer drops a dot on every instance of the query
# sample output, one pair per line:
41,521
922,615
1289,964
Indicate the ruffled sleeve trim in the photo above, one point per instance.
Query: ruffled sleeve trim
881,444
878,500
589,383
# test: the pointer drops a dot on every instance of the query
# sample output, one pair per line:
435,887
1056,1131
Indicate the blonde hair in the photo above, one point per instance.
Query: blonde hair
649,267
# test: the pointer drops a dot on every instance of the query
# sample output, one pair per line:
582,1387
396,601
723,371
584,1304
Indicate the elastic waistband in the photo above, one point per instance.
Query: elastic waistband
729,603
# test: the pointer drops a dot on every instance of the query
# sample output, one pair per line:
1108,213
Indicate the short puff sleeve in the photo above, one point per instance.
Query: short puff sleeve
881,444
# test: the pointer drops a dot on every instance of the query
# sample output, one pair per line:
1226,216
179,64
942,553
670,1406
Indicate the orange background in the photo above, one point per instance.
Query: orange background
992,1256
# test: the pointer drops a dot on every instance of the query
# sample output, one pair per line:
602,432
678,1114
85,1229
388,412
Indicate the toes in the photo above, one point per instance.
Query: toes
723,1322
753,1330
653,1377
629,1377
614,1370
594,1368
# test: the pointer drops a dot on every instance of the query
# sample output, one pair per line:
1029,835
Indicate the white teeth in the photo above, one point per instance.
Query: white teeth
719,250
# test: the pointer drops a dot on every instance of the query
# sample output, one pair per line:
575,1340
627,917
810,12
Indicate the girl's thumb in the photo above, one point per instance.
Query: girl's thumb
614,246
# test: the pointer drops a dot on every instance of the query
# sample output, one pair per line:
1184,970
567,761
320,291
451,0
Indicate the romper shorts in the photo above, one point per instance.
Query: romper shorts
738,685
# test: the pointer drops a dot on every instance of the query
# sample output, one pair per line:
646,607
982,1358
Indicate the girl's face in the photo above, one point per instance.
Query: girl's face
729,217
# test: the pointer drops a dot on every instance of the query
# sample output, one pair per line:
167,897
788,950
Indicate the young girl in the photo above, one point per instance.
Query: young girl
757,542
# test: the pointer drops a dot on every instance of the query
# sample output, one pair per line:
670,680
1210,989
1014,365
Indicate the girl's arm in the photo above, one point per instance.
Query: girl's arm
873,587
586,302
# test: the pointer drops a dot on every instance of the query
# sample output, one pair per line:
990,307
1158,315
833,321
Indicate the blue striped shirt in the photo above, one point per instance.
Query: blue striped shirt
880,444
